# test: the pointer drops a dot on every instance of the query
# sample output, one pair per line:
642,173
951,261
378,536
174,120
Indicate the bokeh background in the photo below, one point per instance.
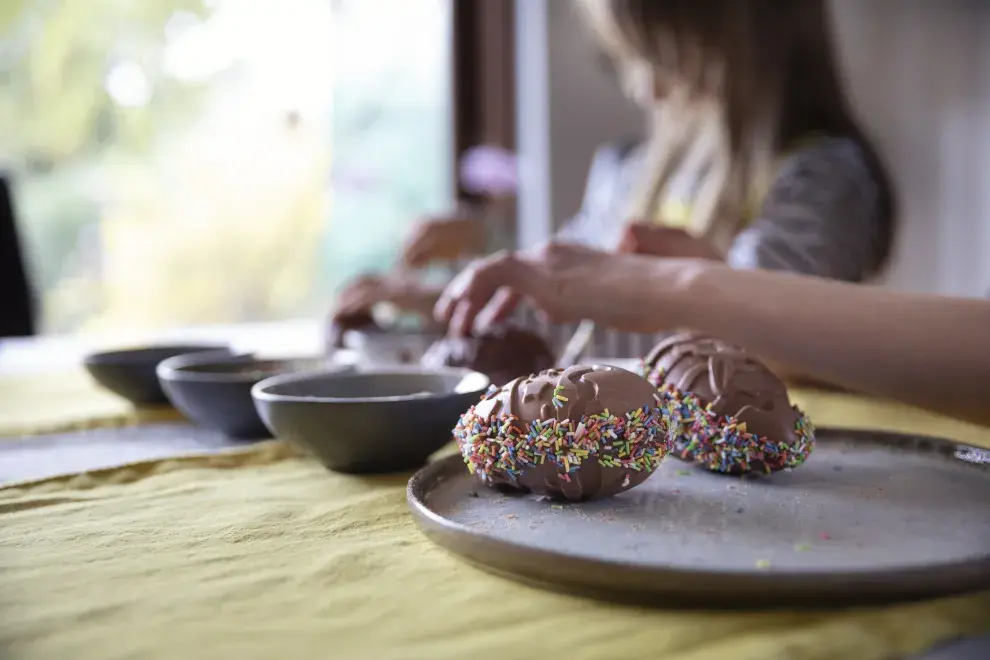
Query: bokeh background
172,158
181,163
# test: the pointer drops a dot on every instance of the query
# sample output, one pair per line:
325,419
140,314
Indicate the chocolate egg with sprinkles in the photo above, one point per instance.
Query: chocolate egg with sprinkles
579,433
727,411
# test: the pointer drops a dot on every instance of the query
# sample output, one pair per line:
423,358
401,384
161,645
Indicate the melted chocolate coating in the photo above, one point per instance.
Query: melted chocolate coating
729,380
502,353
584,390
574,394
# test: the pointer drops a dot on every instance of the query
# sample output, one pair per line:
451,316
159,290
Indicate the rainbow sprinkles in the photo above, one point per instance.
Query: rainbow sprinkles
724,444
503,446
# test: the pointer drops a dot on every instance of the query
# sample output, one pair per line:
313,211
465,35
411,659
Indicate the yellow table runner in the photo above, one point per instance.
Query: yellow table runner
48,403
263,554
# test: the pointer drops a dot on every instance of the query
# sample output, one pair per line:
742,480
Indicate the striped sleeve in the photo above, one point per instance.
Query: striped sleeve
821,216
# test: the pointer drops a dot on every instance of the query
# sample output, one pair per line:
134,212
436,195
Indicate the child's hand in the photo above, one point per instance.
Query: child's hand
567,283
404,293
664,242
443,238
361,294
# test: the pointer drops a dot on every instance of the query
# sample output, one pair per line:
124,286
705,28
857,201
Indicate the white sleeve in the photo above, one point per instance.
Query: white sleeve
593,220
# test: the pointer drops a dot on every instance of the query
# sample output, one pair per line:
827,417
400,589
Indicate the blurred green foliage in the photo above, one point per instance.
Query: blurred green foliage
56,55
141,216
57,124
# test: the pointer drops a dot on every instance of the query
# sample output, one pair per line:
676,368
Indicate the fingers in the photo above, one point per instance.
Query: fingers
461,319
443,311
467,319
502,304
360,295
474,288
629,243
465,300
350,309
357,295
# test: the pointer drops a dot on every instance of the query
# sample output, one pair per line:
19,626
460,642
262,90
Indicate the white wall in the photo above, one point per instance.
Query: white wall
919,72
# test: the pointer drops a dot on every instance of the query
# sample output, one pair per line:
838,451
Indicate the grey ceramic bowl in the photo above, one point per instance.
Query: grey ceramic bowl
215,391
381,420
131,373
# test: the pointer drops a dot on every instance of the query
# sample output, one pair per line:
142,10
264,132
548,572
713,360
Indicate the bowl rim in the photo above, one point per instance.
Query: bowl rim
179,369
260,390
121,355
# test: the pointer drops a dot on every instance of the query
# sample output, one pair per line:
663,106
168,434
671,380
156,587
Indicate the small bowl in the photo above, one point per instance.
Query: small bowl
215,391
381,420
389,348
131,373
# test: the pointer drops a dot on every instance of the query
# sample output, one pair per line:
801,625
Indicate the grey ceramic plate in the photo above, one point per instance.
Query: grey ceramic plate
871,517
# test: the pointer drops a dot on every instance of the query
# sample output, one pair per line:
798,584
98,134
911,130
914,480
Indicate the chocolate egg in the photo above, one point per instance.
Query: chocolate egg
728,411
578,433
501,353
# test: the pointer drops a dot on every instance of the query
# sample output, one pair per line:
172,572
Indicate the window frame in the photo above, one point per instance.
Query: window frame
483,80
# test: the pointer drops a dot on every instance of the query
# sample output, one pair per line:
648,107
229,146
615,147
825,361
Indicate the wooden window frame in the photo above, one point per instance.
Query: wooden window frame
484,79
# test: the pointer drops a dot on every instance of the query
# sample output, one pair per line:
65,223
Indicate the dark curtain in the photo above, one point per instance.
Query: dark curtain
16,308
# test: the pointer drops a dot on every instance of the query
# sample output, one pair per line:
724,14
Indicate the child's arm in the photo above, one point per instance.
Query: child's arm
930,351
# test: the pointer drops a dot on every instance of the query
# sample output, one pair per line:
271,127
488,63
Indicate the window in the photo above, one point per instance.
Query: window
172,158
392,137
186,162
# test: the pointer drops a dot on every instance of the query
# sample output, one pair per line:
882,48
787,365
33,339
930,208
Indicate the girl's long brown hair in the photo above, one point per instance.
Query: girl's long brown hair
778,84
